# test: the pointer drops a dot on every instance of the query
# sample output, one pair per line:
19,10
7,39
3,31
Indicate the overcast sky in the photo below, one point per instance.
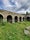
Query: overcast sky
15,5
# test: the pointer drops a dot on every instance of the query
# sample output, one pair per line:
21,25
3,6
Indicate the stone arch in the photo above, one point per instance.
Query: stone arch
9,18
19,18
28,18
16,19
1,18
23,18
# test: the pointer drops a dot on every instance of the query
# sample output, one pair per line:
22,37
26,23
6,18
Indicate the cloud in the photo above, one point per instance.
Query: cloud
15,5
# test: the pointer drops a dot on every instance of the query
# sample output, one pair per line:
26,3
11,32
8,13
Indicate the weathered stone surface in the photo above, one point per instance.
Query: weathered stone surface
27,31
6,13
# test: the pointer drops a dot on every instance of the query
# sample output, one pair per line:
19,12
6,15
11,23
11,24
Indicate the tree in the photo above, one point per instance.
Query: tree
26,13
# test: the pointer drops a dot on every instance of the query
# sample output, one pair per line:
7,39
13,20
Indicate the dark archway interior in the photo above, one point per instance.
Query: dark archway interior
28,18
9,18
1,18
16,19
20,19
23,18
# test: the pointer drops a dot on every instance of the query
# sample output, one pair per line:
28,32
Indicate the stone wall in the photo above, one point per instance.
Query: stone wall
5,14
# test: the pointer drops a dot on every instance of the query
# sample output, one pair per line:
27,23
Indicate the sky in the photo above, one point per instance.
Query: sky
15,5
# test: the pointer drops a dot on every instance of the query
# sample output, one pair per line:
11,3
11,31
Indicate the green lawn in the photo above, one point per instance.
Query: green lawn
14,31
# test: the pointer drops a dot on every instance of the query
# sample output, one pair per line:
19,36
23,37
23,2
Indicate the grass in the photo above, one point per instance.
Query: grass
14,31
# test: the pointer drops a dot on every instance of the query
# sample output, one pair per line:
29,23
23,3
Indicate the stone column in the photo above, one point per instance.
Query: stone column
5,19
13,19
18,18
21,18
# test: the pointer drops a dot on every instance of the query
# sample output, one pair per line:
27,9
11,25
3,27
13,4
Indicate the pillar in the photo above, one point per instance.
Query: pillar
13,19
18,18
21,18
5,19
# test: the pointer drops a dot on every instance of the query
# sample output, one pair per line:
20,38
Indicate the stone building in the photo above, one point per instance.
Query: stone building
13,17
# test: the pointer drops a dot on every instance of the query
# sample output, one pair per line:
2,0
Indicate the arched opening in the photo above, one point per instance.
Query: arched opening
23,18
16,19
20,19
28,18
1,18
9,18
